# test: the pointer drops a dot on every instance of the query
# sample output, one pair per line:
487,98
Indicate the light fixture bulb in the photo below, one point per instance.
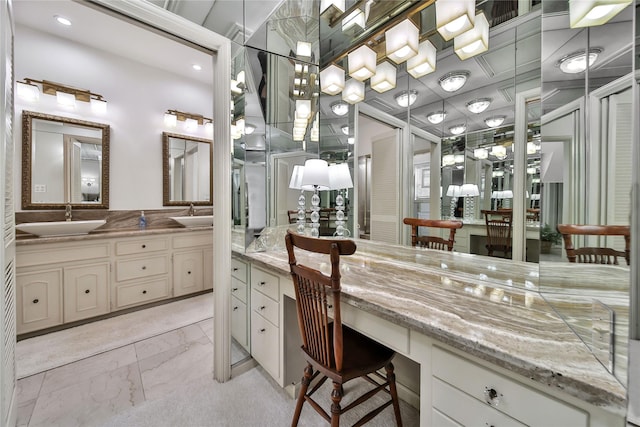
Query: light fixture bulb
28,92
355,18
303,49
457,129
453,81
577,62
437,117
477,106
494,121
66,99
351,140
406,98
340,108
170,120
190,125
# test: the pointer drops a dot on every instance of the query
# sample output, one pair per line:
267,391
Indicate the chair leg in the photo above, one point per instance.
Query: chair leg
306,380
391,379
336,410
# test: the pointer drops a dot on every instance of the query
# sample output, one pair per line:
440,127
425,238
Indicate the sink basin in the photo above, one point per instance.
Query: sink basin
194,221
60,228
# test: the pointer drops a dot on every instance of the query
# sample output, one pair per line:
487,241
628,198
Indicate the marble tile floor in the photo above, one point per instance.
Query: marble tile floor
164,380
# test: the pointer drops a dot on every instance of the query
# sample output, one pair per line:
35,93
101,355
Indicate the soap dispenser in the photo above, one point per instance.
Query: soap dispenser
142,221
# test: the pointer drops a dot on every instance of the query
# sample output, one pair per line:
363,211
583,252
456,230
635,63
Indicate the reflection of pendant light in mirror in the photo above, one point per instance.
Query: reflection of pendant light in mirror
477,106
577,61
332,80
459,158
587,13
457,129
453,81
353,91
340,108
406,98
351,140
248,128
448,160
303,49
495,121
332,6
424,62
531,171
474,41
531,148
480,153
303,108
499,151
437,117
385,77
362,63
355,18
497,174
345,129
401,41
454,17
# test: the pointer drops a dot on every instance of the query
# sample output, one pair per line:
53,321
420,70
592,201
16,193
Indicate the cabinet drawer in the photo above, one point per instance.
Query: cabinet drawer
141,267
265,306
56,254
265,347
466,410
239,289
141,246
140,293
239,321
265,283
191,240
86,291
526,405
239,269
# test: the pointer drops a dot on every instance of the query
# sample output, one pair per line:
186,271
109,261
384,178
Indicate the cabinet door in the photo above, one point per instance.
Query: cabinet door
39,300
265,344
187,273
86,291
239,322
208,268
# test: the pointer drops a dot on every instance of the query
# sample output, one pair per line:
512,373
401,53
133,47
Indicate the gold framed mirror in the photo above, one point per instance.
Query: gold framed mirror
65,161
187,177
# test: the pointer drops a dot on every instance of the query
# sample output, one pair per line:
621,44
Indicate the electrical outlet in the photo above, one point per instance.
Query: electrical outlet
40,188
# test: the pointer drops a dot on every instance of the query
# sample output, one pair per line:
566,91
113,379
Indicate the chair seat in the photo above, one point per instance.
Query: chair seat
361,356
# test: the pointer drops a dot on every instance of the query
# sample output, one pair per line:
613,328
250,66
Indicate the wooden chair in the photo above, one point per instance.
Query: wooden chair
595,255
433,242
499,227
331,349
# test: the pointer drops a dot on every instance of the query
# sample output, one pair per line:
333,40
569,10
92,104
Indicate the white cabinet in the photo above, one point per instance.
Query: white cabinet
38,300
86,291
265,309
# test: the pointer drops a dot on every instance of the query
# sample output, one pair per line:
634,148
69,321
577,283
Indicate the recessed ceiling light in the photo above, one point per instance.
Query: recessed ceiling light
62,20
196,67
340,108
457,129
345,129
477,106
406,98
249,128
494,121
577,61
437,117
453,81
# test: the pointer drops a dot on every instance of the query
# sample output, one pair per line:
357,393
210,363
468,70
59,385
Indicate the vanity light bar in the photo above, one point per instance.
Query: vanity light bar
98,103
182,116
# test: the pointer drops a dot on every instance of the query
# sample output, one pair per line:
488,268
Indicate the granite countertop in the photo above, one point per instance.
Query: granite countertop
486,307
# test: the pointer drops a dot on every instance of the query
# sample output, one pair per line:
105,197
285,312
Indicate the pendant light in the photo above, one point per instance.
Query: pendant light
474,41
362,63
454,17
401,41
478,105
332,80
353,91
437,117
453,81
385,77
424,62
587,13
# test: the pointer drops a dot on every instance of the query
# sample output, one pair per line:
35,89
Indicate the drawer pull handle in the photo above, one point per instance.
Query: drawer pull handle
235,308
188,272
235,269
491,396
262,331
35,301
262,307
144,292
87,291
234,289
144,267
261,283
144,246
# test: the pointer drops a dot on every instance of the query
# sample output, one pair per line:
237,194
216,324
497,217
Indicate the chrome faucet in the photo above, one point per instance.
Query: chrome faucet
67,212
192,211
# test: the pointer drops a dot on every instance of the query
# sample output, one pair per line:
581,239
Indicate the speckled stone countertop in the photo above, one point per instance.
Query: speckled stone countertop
486,307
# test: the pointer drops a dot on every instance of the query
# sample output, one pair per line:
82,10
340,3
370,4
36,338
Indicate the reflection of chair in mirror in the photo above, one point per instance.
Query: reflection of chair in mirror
433,242
331,349
591,254
499,227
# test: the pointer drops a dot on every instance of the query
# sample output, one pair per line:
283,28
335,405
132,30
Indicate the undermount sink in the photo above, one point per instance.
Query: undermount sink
194,221
60,228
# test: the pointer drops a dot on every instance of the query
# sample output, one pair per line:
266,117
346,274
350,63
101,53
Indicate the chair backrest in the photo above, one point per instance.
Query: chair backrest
316,295
499,227
591,254
433,242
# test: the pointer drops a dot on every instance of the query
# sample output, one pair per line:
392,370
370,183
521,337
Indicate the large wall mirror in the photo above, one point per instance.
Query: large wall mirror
64,162
187,175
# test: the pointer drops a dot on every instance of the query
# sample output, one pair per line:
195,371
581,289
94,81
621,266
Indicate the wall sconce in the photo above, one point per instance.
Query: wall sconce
332,80
362,63
477,106
401,41
385,77
424,62
191,121
587,13
474,41
454,17
453,81
437,117
66,95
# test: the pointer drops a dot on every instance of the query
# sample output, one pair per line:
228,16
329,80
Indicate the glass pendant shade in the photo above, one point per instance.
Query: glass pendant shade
28,92
353,91
437,117
191,125
355,18
587,13
328,5
495,121
385,77
66,99
340,108
170,120
98,106
480,153
453,81
332,80
474,41
406,98
477,106
316,175
362,63
303,108
454,17
402,41
424,62
457,129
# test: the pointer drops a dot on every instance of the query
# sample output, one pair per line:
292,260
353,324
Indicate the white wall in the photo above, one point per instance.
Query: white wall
137,97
